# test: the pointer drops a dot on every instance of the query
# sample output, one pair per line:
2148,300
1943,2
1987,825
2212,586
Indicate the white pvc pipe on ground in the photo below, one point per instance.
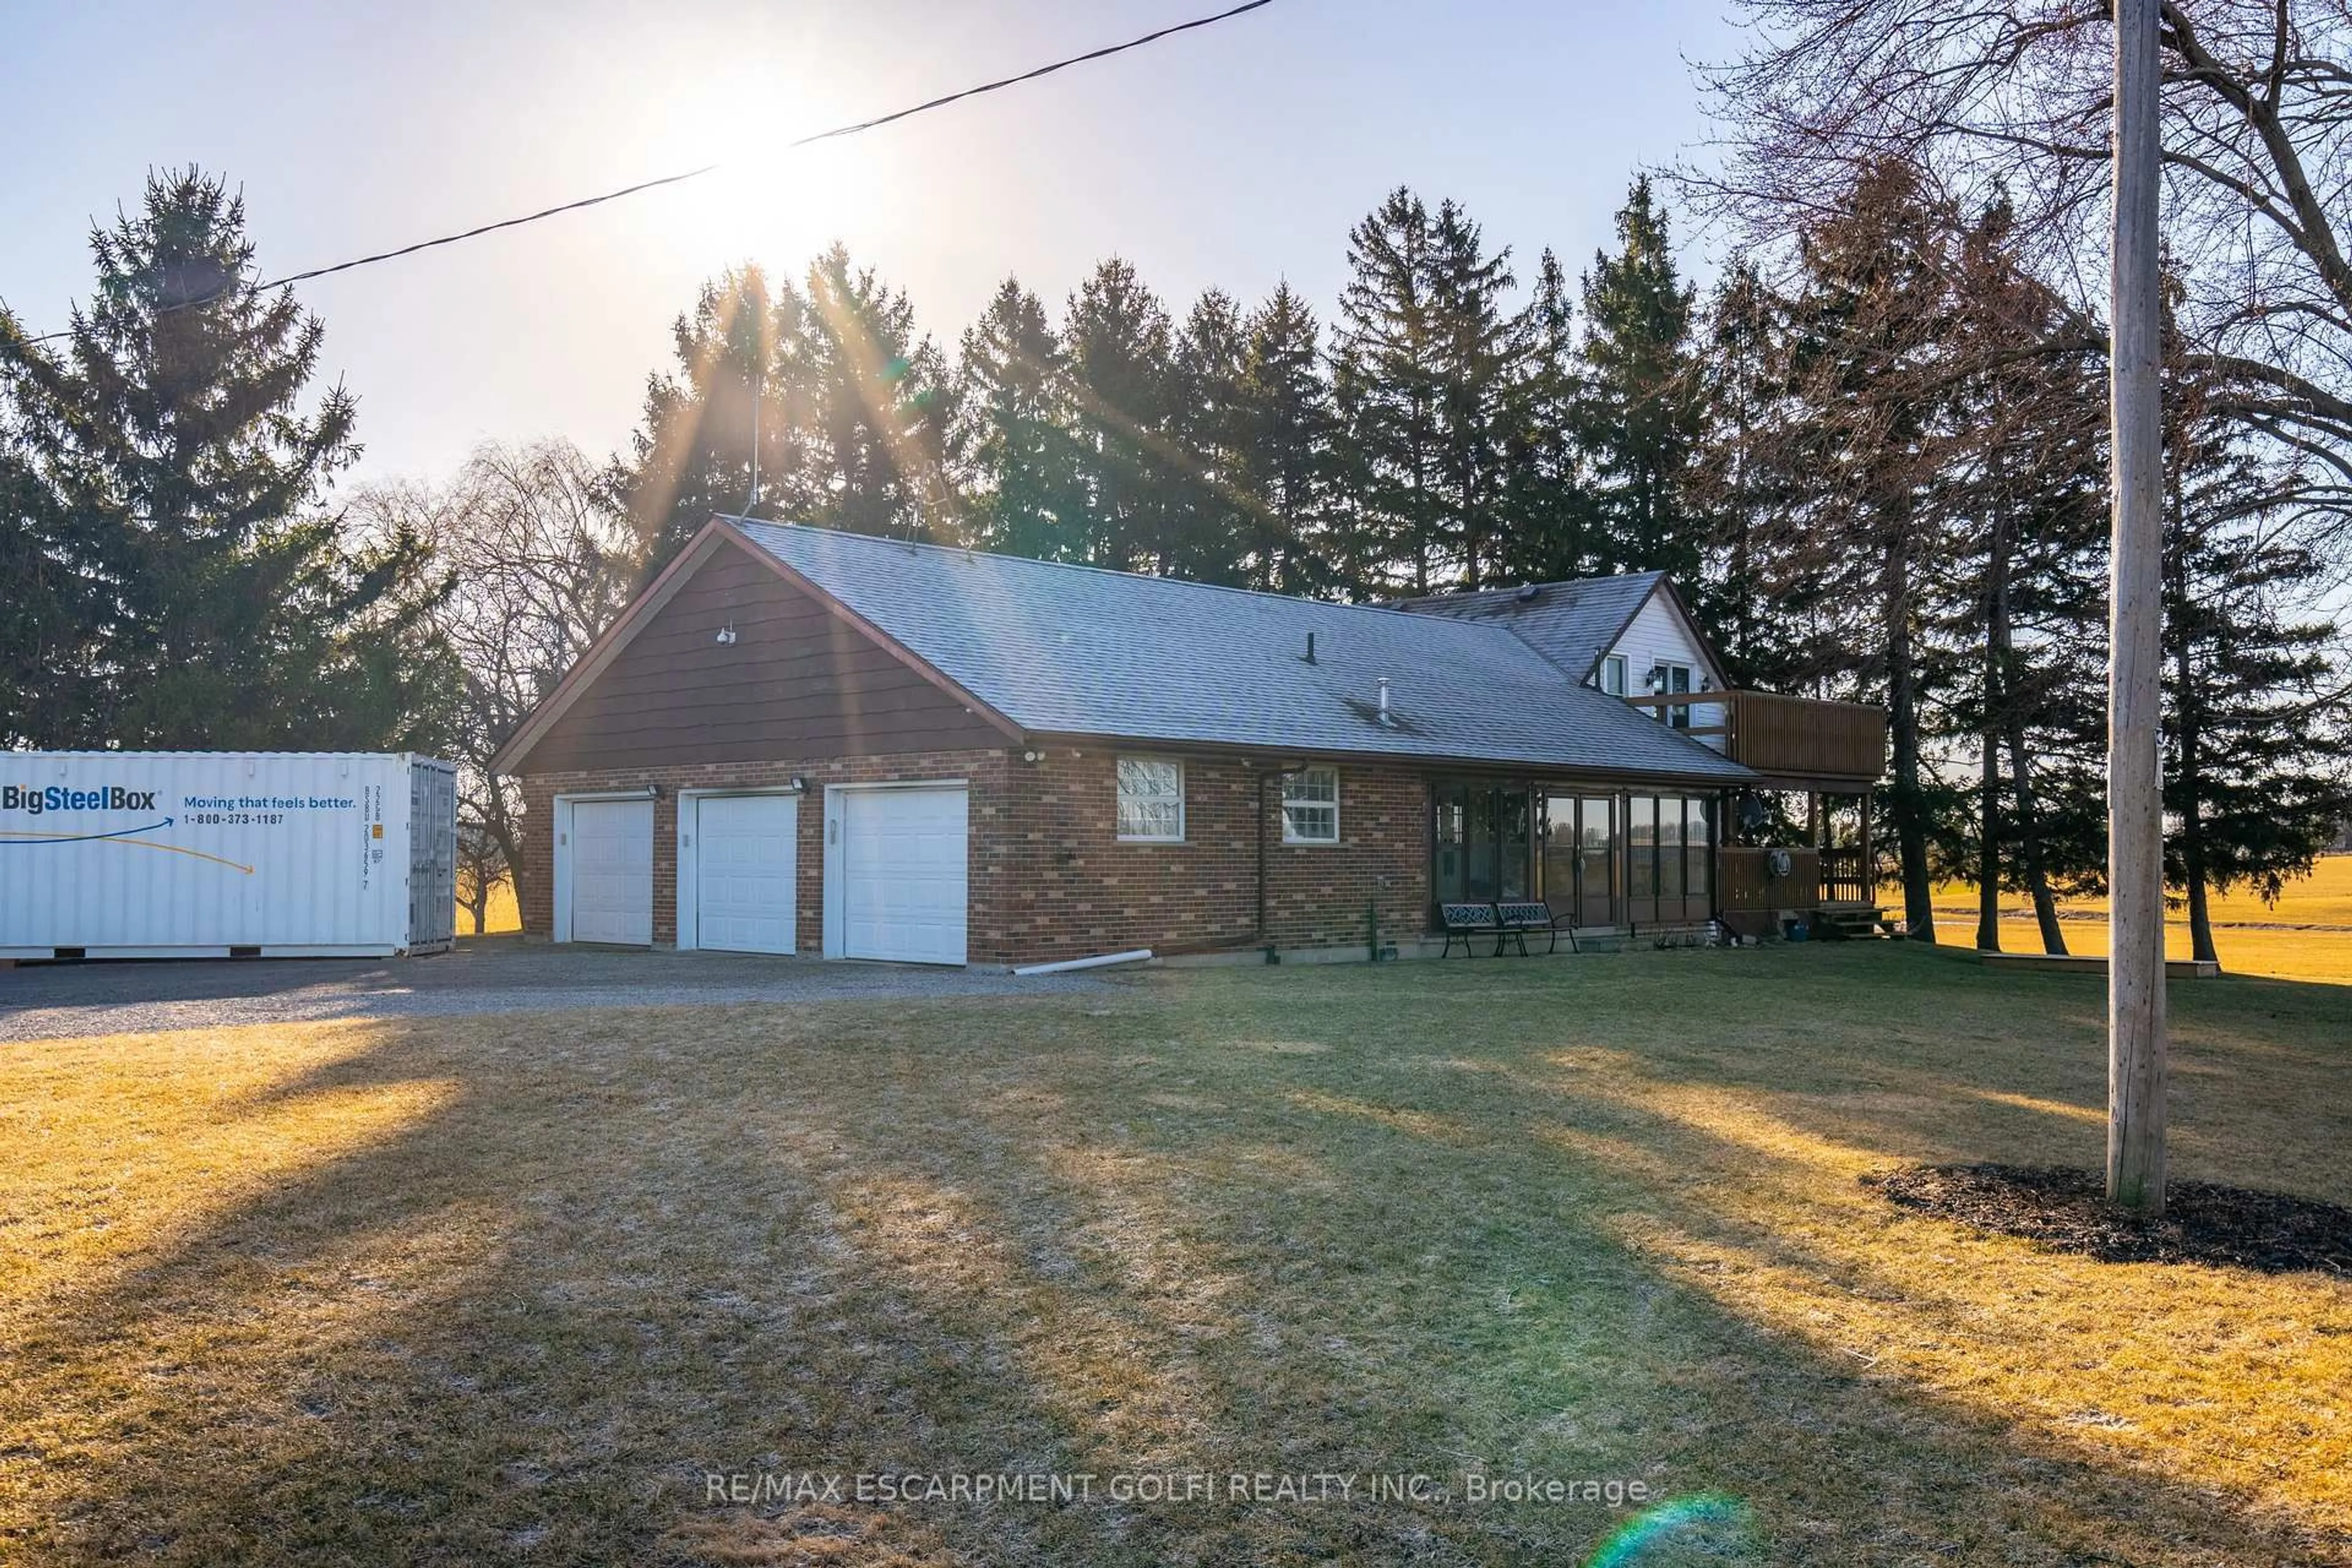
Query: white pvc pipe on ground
1100,961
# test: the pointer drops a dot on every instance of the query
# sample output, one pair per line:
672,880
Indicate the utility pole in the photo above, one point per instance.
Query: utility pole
2135,1069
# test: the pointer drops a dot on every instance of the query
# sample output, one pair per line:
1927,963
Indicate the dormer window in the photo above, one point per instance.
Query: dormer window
1612,675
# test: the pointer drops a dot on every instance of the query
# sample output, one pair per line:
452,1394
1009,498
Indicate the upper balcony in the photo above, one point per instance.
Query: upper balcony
1797,742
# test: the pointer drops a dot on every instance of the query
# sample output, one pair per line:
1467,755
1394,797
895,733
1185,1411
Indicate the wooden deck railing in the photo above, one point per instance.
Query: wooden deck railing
1842,882
1744,878
1795,737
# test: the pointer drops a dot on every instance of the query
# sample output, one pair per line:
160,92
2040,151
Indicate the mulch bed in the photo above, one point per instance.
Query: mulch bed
2067,1210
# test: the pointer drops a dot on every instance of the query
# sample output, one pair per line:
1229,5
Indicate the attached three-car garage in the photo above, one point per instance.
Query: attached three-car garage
895,863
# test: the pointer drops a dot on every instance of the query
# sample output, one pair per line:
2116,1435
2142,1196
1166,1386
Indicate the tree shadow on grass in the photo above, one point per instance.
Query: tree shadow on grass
633,1248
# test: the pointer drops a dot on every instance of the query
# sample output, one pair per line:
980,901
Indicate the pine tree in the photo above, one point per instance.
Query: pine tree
1208,524
691,457
2023,480
1117,341
1641,405
1737,495
170,451
1481,352
47,614
1552,533
1018,441
1285,460
1387,384
1866,357
868,408
2255,784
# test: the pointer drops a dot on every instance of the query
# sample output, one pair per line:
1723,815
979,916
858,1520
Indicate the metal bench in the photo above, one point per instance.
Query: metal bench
1464,921
1517,919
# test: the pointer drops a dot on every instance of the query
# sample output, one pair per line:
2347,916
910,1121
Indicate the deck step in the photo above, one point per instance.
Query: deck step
1856,924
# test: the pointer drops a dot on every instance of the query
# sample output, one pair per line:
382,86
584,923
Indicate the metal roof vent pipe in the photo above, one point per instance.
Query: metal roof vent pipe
1386,722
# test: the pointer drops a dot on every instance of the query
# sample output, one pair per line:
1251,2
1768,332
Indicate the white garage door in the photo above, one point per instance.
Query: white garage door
902,883
612,871
743,871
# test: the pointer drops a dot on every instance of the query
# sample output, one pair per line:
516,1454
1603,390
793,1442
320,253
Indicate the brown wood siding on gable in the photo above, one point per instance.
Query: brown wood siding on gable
797,681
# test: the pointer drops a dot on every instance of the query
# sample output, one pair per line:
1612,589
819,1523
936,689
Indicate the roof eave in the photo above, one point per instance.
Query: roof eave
1731,775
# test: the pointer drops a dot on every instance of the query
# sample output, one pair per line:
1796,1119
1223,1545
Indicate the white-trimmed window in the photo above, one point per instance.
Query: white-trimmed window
1310,807
1151,800
1612,675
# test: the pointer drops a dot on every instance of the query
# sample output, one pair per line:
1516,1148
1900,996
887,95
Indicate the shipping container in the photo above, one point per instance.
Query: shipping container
225,854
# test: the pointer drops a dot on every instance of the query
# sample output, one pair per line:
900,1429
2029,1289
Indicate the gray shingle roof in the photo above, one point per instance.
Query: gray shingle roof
1571,624
1061,649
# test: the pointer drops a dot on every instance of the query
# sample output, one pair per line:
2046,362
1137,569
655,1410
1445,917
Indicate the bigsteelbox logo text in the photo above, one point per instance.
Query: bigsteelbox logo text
56,797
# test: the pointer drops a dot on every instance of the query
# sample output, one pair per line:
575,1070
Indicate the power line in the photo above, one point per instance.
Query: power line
837,131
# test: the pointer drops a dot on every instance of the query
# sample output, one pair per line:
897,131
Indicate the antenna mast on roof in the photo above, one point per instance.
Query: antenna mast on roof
752,505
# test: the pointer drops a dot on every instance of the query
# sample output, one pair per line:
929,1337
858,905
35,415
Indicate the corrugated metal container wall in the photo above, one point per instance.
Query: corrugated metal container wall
432,855
191,853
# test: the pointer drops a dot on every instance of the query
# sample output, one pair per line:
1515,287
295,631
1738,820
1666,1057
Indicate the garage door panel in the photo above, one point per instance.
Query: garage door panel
746,862
904,874
612,871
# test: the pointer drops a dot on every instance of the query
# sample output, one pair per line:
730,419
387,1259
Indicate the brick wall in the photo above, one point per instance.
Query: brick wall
1073,889
1048,877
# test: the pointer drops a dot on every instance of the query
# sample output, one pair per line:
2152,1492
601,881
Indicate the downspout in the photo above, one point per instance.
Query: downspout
1262,941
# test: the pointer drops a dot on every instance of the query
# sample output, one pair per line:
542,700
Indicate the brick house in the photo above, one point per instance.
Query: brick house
803,740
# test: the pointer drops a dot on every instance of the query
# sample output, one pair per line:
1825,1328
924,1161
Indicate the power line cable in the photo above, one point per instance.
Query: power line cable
837,131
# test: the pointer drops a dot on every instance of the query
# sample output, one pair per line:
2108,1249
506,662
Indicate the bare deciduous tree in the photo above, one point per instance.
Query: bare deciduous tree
544,560
2011,99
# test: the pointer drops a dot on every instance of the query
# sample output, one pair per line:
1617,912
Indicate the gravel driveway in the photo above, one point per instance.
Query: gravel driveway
484,975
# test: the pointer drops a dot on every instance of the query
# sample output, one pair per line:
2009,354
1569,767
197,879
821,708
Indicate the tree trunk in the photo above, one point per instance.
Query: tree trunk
2012,726
1996,704
2028,837
503,821
1988,851
1906,801
481,906
2200,918
2188,716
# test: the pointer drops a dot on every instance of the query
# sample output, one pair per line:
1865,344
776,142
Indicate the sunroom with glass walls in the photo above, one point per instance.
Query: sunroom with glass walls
1601,859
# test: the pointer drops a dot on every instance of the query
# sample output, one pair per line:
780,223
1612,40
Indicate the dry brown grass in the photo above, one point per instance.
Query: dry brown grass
470,1290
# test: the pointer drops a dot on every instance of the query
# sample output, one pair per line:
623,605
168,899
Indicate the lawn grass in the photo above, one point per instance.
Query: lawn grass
473,1291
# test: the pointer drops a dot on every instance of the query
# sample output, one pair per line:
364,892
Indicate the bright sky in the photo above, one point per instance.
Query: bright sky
1231,156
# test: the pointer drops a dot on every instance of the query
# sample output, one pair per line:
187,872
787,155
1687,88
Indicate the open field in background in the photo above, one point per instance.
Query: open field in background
2321,956
502,915
486,1289
2306,935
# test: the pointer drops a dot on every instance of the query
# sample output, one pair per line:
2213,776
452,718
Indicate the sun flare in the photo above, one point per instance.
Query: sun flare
765,199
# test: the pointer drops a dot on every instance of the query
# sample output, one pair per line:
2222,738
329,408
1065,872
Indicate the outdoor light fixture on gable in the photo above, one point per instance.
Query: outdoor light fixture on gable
726,636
